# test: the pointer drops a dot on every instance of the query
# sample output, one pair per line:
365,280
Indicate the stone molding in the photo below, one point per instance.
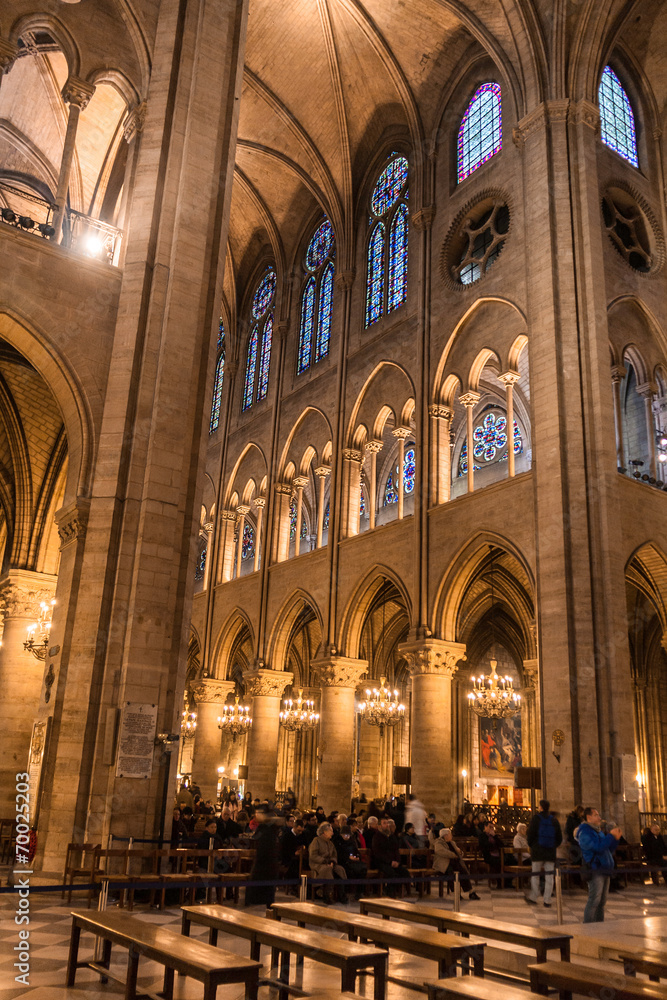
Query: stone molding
211,691
339,671
469,398
423,219
585,113
549,112
344,280
243,509
373,446
282,329
531,674
77,92
432,656
647,389
440,412
283,489
231,368
618,373
350,455
8,54
21,593
72,521
134,123
208,527
228,515
261,683
509,377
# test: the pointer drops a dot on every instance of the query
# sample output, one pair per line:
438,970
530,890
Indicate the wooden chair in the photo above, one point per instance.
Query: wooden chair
7,839
81,861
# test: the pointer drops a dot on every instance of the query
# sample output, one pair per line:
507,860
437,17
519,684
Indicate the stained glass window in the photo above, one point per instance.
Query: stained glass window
251,365
617,121
248,544
387,265
292,521
257,375
490,442
480,134
201,565
221,334
317,298
324,317
362,503
263,383
325,522
409,469
217,389
307,324
390,492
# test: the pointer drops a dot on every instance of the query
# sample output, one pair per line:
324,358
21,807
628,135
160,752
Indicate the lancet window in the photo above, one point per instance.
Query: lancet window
481,132
317,298
387,255
258,359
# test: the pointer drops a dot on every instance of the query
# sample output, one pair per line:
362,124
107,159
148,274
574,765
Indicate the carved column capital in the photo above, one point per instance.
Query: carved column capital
423,219
134,123
509,377
283,489
339,671
322,471
259,502
228,515
211,691
243,509
77,92
585,113
7,55
373,446
440,412
300,482
72,521
469,398
266,683
345,279
432,656
22,592
401,433
647,390
618,373
350,455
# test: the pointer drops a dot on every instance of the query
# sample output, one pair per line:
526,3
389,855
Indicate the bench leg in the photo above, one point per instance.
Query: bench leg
535,986
73,953
252,985
132,973
478,963
213,936
168,986
106,958
380,980
283,976
185,925
565,952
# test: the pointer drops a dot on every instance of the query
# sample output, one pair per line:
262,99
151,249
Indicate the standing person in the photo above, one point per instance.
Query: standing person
597,849
655,851
416,814
544,837
267,860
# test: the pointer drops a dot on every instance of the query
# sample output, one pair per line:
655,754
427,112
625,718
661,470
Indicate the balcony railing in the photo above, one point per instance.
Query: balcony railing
81,233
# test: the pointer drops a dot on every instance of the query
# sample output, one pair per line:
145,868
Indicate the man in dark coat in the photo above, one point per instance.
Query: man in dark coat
655,852
544,838
292,846
385,850
228,829
267,860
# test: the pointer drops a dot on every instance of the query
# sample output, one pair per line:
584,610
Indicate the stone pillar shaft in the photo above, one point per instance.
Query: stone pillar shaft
76,93
210,696
266,688
339,677
470,400
373,447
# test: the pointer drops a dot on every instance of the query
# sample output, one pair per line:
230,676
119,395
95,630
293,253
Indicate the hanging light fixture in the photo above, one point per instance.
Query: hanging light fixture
493,697
41,629
188,724
382,707
299,716
235,719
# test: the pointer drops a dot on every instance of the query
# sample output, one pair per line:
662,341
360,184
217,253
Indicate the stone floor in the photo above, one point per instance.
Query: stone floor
637,914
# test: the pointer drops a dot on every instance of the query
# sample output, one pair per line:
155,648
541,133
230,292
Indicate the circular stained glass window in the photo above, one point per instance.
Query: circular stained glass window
489,437
390,183
264,294
320,246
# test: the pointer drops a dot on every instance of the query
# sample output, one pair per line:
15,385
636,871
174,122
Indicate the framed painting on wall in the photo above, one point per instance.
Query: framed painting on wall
499,746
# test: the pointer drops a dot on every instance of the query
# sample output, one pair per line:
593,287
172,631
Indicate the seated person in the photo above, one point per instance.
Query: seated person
292,846
323,860
348,857
228,829
655,852
386,856
448,859
410,840
520,845
210,840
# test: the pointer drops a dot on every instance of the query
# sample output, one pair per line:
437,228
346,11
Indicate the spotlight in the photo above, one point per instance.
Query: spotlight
93,246
8,215
25,222
46,230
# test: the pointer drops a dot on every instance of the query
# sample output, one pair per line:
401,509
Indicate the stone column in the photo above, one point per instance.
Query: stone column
531,729
208,529
647,392
283,495
226,543
373,448
470,400
132,129
401,433
432,664
351,491
210,696
77,93
509,379
321,472
339,677
21,673
618,373
299,484
266,688
441,457
260,504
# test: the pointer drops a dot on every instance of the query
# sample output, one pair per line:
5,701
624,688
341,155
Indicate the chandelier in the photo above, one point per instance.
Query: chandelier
188,725
494,697
235,719
299,716
41,628
382,707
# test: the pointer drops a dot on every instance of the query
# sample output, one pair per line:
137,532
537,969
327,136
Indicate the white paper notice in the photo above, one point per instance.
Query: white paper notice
136,740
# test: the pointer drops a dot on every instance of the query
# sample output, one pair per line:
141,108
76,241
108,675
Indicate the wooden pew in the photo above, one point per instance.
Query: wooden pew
568,979
446,949
347,956
200,961
649,963
473,989
538,938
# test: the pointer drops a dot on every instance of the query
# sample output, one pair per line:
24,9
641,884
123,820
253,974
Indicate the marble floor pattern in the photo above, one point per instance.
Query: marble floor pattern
638,914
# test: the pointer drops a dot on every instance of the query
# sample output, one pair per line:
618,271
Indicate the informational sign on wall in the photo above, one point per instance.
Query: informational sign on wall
38,745
136,740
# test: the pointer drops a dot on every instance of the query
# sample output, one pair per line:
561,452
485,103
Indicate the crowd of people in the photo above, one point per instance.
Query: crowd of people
340,847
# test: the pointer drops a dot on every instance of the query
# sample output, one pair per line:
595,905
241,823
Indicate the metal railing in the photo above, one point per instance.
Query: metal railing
90,237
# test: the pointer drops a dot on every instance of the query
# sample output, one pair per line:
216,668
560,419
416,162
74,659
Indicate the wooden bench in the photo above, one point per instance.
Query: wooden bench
472,989
537,938
568,979
349,957
649,963
446,949
200,961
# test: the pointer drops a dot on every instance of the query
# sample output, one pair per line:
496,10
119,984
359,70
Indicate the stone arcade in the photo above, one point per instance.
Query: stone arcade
332,348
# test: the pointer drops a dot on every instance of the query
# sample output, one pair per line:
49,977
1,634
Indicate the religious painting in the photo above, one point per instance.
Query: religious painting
499,746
